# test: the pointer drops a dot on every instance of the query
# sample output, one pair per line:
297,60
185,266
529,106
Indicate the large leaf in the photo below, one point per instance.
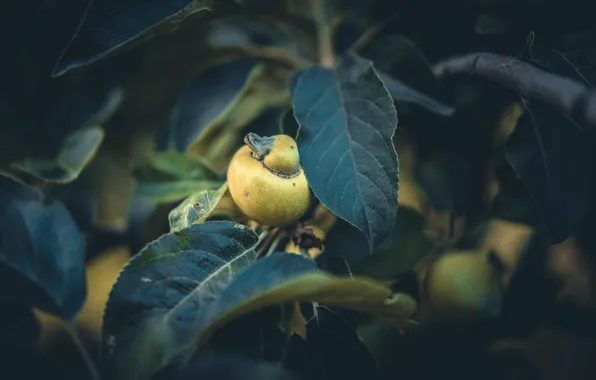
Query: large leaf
555,161
332,350
42,251
77,150
177,292
196,208
212,94
110,26
347,121
163,293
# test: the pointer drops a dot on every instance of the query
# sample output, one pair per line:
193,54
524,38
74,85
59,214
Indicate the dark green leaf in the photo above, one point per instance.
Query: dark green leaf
164,295
174,294
210,95
332,350
111,26
347,122
77,150
229,367
555,161
42,251
284,277
404,93
195,209
173,165
407,245
406,72
172,191
19,328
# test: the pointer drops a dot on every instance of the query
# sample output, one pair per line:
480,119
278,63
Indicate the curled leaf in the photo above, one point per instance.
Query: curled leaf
196,208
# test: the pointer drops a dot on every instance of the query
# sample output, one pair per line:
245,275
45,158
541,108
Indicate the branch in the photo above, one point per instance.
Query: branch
324,32
265,53
567,95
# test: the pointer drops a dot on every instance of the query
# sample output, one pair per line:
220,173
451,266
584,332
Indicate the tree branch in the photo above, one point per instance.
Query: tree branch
265,53
567,95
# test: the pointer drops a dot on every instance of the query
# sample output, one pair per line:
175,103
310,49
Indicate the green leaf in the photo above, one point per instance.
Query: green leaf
404,248
42,253
195,209
347,122
213,93
332,350
407,73
164,293
111,26
175,294
77,150
173,165
172,191
555,161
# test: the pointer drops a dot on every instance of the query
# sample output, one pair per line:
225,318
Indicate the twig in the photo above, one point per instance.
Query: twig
324,33
265,239
266,53
89,363
275,243
567,95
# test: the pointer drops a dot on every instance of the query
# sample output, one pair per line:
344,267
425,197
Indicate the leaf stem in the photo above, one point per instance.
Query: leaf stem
324,32
72,330
266,53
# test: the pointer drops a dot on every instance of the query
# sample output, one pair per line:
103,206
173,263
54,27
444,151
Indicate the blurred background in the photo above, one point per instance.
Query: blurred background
453,174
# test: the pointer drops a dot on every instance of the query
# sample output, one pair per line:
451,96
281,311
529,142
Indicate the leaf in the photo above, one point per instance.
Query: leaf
404,248
347,122
229,367
162,294
196,208
555,161
173,295
332,350
172,191
266,88
111,26
404,93
77,150
173,165
407,73
212,94
42,251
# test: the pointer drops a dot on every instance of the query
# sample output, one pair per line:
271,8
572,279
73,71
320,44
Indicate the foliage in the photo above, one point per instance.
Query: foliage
413,152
